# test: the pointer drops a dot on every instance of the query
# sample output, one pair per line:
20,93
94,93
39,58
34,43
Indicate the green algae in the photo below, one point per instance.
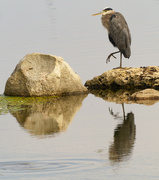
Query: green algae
13,104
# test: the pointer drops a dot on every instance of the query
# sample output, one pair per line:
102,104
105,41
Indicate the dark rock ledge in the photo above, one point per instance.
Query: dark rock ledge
126,78
127,85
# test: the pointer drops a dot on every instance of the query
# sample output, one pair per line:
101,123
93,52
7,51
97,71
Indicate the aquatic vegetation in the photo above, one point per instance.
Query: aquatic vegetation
12,103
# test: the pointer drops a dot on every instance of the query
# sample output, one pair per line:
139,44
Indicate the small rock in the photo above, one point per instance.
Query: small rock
43,75
146,94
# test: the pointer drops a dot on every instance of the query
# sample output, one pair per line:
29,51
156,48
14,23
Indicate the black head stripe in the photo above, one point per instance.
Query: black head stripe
107,9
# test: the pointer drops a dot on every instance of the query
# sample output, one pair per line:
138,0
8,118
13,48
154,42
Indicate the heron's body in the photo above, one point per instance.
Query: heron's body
118,32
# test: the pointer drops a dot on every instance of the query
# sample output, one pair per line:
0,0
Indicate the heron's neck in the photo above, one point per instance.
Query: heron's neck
106,18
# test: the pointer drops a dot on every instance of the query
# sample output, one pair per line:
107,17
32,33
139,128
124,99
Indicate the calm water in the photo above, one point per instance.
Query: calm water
83,137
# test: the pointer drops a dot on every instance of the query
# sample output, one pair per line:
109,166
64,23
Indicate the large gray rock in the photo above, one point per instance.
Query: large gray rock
127,78
43,75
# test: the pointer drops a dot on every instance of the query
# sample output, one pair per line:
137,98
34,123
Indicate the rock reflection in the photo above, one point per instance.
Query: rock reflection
121,96
124,138
48,118
118,96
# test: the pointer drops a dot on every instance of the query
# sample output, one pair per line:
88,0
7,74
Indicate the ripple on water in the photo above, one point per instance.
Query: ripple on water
51,166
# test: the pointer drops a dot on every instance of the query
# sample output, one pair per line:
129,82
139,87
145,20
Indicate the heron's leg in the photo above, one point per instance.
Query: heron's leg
120,59
112,54
123,111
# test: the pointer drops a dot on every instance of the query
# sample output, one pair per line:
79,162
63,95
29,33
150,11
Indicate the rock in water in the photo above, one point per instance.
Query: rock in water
146,94
127,78
43,75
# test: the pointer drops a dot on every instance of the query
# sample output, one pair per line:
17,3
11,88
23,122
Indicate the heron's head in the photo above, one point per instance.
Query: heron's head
105,11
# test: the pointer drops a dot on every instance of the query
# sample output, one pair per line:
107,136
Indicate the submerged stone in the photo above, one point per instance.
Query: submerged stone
146,94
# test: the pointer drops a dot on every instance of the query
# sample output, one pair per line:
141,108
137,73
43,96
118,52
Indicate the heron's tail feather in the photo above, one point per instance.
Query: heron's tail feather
127,52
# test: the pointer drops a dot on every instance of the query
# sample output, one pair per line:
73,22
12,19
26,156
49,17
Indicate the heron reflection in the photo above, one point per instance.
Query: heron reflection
124,137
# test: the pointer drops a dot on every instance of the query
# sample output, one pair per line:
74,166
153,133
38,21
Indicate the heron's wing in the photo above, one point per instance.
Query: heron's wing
119,32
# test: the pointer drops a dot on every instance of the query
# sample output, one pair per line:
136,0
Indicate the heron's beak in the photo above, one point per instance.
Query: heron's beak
98,13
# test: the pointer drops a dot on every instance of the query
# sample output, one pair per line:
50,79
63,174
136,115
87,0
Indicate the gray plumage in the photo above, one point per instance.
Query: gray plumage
118,32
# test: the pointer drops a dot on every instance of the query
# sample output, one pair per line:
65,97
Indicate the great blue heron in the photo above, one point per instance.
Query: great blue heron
118,32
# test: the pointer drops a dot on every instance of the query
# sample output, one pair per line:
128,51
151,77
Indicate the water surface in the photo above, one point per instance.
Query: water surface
83,137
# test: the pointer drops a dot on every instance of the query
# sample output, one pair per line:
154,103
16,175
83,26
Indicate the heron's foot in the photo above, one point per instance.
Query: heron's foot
120,68
108,58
